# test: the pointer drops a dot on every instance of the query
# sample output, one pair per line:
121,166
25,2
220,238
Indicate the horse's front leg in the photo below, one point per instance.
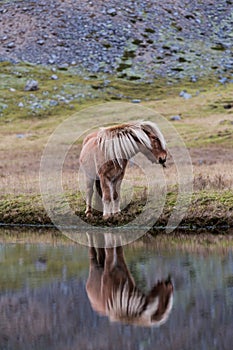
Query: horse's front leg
116,195
117,187
89,194
106,187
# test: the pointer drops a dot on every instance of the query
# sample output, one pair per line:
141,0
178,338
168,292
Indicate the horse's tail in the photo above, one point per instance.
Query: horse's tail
98,188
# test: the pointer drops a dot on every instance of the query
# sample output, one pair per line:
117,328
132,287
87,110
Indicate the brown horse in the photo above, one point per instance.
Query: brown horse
112,291
105,154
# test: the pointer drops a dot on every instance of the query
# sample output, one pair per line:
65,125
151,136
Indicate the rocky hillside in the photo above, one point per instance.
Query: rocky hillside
134,39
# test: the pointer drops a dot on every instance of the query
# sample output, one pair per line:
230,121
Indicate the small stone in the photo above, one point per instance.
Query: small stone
11,45
20,104
53,103
223,80
136,101
3,106
12,90
31,85
63,66
175,117
112,11
54,77
20,136
193,79
40,42
185,95
51,61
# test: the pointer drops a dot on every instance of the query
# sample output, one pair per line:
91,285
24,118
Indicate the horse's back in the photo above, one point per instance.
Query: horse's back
88,153
89,137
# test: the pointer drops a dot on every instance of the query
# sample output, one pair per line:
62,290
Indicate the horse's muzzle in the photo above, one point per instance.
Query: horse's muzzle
162,162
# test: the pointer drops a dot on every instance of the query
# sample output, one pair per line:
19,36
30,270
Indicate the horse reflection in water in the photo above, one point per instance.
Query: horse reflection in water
105,154
112,291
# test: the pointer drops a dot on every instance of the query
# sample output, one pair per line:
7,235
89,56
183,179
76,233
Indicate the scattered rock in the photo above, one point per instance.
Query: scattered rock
40,42
20,104
20,136
223,80
31,85
136,101
88,36
3,106
185,95
175,117
193,79
11,45
64,66
53,103
54,77
112,11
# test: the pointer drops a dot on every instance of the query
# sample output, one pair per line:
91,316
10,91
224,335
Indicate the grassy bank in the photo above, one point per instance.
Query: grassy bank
207,209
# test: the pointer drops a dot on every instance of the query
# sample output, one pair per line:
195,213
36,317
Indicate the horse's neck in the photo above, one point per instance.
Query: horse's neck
142,149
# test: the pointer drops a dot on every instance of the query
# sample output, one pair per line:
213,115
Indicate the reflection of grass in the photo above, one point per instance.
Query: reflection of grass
36,264
198,241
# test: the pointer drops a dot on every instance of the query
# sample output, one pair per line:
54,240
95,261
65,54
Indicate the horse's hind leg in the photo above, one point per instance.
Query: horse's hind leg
89,194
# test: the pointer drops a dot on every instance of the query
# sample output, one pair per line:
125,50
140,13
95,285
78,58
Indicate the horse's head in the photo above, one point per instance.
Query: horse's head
157,152
112,291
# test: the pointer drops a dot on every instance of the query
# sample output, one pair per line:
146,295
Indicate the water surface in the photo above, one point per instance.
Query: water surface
44,303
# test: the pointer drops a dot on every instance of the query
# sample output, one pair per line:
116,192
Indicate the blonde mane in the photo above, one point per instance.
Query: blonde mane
131,306
125,303
121,141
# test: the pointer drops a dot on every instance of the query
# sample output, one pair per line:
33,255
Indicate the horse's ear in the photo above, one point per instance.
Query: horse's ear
160,301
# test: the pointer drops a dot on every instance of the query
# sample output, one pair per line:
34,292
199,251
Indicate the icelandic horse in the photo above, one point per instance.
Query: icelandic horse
112,291
105,154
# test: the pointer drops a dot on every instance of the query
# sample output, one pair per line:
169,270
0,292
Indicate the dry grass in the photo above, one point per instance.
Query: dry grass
217,176
22,183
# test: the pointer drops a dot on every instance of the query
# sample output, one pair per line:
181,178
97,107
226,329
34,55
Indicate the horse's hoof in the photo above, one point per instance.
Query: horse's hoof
89,215
107,217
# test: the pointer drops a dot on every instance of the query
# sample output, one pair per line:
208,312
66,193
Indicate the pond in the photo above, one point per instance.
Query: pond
45,302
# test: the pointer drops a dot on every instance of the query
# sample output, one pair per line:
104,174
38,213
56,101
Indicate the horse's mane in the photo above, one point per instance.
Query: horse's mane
121,141
126,304
132,306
